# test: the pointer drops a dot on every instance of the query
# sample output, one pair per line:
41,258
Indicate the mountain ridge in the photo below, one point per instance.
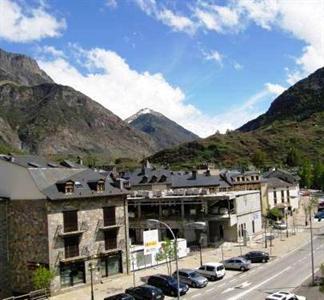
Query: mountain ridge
165,132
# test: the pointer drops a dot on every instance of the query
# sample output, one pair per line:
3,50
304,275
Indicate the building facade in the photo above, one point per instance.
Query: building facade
66,218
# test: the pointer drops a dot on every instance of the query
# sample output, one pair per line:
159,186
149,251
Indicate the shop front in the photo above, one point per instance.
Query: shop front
72,273
111,264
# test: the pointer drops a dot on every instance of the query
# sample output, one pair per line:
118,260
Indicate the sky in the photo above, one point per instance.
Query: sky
208,65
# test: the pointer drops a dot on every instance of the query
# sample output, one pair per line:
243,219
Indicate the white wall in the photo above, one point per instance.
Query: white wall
293,192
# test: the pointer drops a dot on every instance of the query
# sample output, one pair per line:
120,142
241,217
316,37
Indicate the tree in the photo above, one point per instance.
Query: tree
167,253
318,178
305,173
293,157
274,214
259,159
42,278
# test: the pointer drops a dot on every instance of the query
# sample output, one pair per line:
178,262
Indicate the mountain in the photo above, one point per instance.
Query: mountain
293,126
21,69
41,117
165,132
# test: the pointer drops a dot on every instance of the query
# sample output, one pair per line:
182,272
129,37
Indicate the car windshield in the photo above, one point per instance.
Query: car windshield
194,274
172,280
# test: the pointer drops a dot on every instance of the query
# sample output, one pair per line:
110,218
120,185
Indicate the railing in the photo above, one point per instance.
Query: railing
34,295
61,230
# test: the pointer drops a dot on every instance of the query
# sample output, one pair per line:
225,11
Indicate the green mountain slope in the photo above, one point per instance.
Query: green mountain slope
294,122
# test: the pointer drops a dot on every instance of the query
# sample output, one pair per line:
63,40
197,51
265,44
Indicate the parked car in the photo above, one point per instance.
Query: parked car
168,284
122,296
237,263
257,256
145,292
212,271
192,278
280,225
319,215
284,296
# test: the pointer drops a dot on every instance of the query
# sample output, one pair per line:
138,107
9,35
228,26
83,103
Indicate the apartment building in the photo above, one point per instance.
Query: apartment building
61,216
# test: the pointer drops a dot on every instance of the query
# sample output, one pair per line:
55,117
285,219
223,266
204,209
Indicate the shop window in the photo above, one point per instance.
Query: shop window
111,265
72,274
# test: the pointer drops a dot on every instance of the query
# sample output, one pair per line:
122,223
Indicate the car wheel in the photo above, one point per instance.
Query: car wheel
194,285
242,269
264,260
173,293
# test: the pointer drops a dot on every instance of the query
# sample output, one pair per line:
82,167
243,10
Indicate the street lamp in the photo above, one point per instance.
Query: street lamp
91,269
149,222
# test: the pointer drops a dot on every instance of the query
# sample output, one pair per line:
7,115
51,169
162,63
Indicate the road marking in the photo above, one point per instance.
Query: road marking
228,290
244,285
197,295
239,296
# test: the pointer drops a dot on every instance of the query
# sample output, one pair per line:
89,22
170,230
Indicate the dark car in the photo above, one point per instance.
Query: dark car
120,297
168,284
257,256
192,278
145,292
319,215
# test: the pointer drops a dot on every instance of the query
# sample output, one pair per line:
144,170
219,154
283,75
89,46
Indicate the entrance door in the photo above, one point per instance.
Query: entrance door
221,232
72,274
111,265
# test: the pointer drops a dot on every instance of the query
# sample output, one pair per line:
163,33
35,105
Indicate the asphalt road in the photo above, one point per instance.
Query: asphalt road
281,273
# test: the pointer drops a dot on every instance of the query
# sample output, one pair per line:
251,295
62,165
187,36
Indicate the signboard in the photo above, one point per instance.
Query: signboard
151,241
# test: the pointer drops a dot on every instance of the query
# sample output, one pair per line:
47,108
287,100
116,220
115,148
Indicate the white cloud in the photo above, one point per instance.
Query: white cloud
51,51
275,89
214,55
109,80
111,3
18,24
237,66
172,19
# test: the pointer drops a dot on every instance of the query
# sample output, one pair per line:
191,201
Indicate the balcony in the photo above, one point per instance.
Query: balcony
64,231
111,224
223,215
102,251
74,256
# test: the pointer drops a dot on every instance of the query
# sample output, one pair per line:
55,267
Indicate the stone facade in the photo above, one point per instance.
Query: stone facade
4,291
27,232
90,219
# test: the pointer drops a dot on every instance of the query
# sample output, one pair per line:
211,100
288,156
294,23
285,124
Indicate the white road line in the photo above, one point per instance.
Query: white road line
197,295
239,296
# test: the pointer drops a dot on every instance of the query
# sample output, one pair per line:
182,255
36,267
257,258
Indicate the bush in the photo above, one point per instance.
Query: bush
42,278
274,214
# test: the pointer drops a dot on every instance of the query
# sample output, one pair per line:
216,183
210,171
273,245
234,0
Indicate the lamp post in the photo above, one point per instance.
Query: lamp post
91,269
150,221
286,214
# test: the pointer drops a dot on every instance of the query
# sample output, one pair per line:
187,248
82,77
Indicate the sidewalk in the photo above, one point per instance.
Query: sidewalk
115,285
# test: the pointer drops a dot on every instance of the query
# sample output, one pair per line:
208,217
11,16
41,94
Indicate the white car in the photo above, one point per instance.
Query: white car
284,296
280,225
212,271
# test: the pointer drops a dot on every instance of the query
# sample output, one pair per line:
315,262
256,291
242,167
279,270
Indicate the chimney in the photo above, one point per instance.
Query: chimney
80,161
207,172
194,174
120,183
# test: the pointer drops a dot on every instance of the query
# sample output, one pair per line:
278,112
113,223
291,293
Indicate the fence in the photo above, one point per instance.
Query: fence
34,295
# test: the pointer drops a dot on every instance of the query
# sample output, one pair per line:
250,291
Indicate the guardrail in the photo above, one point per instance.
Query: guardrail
34,295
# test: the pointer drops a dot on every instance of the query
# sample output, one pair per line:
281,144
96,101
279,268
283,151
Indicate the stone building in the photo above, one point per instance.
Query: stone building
63,217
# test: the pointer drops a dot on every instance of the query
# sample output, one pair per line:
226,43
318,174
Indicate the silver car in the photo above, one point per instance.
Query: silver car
237,263
192,278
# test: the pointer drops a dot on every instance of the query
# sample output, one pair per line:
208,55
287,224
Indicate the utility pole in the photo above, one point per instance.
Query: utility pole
286,224
312,246
265,233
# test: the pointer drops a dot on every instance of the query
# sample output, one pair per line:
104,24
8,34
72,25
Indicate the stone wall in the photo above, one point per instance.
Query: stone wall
4,290
90,218
28,243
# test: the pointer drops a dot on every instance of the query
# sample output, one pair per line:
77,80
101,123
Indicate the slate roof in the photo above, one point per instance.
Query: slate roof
47,177
276,182
283,175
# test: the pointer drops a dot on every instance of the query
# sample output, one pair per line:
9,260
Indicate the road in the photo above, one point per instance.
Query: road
282,273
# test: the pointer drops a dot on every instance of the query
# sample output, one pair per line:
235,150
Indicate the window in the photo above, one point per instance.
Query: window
288,195
256,177
153,179
101,186
71,246
111,265
69,187
253,227
70,220
282,196
111,239
252,178
275,197
220,268
210,268
109,214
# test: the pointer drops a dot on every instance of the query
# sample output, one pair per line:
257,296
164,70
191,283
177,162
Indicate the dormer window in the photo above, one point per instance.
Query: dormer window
69,187
153,179
101,186
256,177
144,179
163,178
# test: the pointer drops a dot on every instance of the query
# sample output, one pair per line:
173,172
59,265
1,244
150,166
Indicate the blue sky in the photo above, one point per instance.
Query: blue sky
209,65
